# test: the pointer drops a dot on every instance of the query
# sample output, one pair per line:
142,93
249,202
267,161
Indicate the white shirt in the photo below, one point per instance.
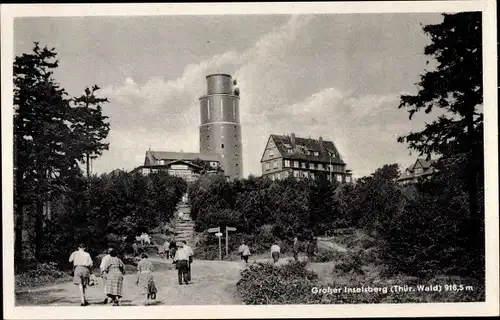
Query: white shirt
182,254
104,259
275,248
243,249
189,250
81,258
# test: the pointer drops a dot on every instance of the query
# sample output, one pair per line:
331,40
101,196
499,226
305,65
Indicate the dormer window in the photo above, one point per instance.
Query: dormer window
316,153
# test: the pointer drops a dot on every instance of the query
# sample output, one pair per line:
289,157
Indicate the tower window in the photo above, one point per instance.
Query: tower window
222,146
221,114
234,109
208,109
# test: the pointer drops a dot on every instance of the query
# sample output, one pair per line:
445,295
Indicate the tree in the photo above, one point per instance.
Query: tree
48,142
92,131
455,87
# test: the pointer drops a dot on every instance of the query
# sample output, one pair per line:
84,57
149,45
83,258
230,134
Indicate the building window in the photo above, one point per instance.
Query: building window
303,165
311,174
234,110
285,174
222,146
287,163
271,153
290,150
311,166
320,166
304,174
208,109
275,163
268,166
295,164
316,153
272,177
296,174
339,178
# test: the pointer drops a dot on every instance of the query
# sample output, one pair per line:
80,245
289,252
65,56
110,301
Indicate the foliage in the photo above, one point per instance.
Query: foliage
51,139
293,283
266,283
455,87
121,206
43,273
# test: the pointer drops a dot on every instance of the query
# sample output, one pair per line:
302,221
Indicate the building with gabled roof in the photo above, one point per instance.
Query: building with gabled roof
188,165
288,155
162,157
422,168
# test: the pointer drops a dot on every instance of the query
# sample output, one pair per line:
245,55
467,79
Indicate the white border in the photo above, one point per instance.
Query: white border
490,307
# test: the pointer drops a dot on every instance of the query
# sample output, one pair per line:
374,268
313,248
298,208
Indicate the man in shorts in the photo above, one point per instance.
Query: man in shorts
82,262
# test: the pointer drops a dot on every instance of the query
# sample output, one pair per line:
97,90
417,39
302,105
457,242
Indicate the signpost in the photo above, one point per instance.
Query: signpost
218,234
227,238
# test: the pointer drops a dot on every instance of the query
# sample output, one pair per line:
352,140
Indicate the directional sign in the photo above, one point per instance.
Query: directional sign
214,229
218,234
230,229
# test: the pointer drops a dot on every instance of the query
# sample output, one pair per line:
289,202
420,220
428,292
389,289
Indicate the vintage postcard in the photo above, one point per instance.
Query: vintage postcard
250,160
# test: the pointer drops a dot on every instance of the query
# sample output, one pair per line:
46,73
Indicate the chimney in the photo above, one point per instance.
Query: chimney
292,140
320,143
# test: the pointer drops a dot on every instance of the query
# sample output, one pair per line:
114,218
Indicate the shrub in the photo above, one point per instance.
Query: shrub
351,262
44,273
266,283
327,256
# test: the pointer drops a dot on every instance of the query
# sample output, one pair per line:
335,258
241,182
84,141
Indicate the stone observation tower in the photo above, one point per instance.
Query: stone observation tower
220,130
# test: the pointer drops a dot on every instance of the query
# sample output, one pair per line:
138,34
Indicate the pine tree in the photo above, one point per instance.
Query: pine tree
456,88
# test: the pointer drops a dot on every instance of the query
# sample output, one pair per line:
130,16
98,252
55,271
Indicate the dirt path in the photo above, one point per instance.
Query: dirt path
213,283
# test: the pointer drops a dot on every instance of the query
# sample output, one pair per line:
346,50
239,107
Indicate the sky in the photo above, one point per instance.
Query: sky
338,76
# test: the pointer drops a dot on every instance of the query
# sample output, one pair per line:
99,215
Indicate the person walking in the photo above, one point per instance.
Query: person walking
244,252
181,260
311,250
114,270
275,252
103,275
173,248
191,254
82,262
166,248
296,249
135,246
145,279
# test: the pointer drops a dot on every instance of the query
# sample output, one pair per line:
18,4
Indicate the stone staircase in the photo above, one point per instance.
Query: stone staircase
184,225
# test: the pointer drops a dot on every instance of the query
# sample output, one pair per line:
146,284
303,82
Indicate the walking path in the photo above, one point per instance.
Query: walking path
213,283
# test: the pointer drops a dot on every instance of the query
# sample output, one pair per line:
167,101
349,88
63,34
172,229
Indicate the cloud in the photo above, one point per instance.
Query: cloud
164,114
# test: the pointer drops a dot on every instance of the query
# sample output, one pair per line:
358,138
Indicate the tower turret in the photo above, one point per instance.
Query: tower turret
220,130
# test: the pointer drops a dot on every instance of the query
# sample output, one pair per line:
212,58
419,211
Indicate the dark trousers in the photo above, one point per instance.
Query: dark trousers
189,272
276,256
182,271
296,256
244,258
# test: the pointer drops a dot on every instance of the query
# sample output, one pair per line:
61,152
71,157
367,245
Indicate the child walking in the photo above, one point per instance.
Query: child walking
145,279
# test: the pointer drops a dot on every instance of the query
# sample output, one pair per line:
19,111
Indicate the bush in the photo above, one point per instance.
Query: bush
266,283
44,273
327,256
207,252
351,262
